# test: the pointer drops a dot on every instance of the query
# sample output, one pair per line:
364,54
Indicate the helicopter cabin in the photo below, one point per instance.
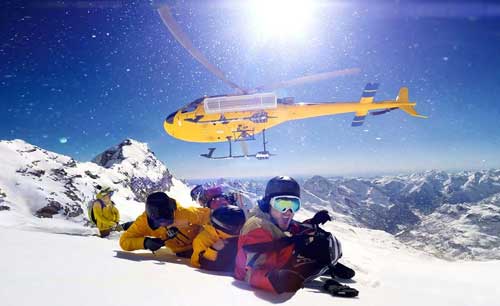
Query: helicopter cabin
226,104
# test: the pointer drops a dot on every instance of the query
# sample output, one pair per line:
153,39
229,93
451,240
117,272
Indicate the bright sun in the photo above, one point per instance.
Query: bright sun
281,19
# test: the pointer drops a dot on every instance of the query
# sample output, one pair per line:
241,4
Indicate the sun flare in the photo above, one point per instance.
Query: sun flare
281,19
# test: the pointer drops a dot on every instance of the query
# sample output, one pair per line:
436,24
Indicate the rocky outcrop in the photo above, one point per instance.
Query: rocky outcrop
144,172
47,184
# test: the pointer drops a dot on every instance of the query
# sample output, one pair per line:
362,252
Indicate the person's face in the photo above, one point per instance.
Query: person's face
107,197
282,219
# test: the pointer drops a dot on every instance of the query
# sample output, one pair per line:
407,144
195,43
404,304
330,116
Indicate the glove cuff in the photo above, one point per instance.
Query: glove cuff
210,254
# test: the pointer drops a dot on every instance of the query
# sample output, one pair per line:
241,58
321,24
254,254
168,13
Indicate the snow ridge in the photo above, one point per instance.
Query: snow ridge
36,182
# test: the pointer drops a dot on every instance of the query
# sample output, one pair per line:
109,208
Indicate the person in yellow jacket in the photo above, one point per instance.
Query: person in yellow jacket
104,213
164,223
216,246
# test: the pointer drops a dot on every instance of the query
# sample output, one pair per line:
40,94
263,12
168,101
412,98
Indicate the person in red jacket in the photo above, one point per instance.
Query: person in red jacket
279,254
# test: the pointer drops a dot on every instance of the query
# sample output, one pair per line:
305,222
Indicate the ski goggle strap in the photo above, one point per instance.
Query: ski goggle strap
284,203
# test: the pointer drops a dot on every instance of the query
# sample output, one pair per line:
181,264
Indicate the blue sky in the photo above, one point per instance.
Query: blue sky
97,75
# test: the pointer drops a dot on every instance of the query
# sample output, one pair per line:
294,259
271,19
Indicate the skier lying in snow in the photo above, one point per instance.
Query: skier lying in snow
164,223
215,247
278,254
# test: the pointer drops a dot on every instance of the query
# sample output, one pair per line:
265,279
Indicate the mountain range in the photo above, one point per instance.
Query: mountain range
451,215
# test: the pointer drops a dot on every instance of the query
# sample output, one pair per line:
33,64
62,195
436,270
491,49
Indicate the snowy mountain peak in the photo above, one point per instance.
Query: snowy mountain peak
37,182
132,157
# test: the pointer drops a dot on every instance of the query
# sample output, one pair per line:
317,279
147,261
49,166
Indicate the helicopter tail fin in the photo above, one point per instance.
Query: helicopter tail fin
408,106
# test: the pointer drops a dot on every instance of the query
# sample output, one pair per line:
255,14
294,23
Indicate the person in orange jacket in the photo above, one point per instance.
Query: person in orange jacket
215,247
165,223
279,254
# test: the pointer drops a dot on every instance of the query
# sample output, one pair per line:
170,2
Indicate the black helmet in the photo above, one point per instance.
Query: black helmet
278,186
229,219
160,208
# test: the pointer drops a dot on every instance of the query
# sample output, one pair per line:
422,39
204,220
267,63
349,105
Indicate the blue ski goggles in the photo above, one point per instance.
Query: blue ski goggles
284,203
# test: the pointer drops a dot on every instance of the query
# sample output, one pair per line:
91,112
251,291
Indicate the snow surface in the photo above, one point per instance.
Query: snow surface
40,268
57,261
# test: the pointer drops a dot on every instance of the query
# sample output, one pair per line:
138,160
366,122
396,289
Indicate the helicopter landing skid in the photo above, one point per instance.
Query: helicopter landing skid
242,136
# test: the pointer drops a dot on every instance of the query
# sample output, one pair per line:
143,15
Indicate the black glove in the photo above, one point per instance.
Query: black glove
300,242
335,288
153,244
285,280
321,217
172,232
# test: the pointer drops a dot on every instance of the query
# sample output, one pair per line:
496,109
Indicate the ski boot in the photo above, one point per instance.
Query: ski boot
341,271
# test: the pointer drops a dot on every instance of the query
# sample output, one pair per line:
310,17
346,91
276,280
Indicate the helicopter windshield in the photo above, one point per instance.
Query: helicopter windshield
170,118
192,106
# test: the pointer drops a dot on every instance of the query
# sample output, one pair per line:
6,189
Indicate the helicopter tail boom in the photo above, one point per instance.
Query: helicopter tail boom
402,102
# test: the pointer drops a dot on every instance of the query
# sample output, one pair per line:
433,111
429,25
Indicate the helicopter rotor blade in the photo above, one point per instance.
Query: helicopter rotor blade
183,39
308,79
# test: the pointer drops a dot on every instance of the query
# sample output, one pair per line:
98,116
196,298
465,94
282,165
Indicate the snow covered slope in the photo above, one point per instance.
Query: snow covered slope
460,231
455,216
49,258
59,270
393,203
36,182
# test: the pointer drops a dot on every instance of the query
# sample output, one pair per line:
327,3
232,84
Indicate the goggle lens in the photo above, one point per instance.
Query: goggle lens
283,204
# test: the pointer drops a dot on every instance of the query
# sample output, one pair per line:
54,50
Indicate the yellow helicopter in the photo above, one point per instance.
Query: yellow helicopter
241,116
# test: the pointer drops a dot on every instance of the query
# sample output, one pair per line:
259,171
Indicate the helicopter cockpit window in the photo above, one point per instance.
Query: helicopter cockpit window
192,106
170,118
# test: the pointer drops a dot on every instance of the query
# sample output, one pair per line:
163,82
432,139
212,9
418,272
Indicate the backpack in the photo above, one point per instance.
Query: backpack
90,208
